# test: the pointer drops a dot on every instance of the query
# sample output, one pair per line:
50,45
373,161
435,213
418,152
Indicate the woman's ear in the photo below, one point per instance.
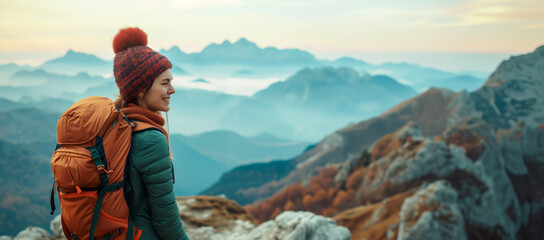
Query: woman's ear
141,94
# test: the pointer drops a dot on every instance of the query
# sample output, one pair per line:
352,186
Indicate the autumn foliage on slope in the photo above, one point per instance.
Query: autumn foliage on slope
322,196
327,197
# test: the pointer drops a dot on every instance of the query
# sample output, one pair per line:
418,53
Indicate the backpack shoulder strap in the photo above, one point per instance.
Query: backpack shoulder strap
139,126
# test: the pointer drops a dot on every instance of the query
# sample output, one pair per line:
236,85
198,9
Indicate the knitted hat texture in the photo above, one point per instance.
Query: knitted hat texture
135,65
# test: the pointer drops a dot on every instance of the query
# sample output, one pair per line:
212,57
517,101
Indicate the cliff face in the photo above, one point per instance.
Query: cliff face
514,92
471,182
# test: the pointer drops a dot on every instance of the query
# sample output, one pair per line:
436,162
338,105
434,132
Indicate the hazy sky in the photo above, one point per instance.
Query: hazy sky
324,27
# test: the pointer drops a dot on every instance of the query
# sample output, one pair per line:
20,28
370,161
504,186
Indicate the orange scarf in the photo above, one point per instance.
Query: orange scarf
135,112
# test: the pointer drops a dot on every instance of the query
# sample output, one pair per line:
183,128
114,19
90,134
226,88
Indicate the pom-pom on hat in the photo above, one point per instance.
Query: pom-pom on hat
135,65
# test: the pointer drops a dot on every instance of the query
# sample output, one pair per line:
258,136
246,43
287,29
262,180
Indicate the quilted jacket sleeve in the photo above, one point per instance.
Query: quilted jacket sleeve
156,171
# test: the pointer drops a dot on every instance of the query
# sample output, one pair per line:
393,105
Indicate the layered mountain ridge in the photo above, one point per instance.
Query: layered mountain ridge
463,165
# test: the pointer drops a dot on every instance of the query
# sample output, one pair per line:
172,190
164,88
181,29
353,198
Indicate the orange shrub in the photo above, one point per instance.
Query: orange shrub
341,198
289,206
317,197
276,212
354,180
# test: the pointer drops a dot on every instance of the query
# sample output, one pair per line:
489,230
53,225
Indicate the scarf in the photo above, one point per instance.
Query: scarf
135,112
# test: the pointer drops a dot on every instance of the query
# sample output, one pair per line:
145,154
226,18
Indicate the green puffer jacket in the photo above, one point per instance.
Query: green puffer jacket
151,200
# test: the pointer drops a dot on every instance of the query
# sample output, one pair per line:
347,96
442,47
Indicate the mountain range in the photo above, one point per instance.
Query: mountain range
231,59
241,52
73,62
233,149
246,57
305,106
336,90
216,152
441,165
29,84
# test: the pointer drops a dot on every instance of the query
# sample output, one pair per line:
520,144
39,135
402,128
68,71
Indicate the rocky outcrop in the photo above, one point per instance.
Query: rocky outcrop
219,218
472,183
374,221
514,92
432,213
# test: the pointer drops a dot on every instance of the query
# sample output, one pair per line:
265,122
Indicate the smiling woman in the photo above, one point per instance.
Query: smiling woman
157,96
145,83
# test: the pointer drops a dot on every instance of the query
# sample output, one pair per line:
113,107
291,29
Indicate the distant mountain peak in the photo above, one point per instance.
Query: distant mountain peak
175,49
243,41
72,56
72,53
349,61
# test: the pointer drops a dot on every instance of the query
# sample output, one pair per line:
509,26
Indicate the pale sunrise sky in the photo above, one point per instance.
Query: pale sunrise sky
326,28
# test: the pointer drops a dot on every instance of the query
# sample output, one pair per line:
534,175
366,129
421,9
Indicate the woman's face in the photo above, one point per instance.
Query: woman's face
157,98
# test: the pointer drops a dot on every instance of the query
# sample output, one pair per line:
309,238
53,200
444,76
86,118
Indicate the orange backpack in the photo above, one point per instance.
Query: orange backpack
94,140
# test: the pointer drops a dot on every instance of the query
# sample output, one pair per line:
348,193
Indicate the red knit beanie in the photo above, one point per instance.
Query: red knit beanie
135,65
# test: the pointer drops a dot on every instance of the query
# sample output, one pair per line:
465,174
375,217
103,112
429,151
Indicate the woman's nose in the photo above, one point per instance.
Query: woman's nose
171,90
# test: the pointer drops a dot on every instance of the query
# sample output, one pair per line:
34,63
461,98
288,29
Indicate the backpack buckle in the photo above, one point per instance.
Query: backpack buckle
102,170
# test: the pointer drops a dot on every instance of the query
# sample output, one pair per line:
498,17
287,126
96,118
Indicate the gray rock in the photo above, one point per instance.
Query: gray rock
288,225
432,213
33,233
237,230
56,228
299,225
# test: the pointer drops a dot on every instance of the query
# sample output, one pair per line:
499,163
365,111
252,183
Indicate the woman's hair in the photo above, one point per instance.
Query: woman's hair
121,103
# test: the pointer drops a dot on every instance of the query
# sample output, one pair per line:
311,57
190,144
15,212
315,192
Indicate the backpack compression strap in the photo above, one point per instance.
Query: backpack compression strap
98,205
99,157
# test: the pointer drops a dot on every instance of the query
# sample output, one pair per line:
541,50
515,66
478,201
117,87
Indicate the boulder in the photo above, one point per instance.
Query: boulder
56,228
33,233
292,225
432,213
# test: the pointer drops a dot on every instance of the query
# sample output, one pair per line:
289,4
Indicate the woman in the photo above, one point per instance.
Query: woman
145,85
